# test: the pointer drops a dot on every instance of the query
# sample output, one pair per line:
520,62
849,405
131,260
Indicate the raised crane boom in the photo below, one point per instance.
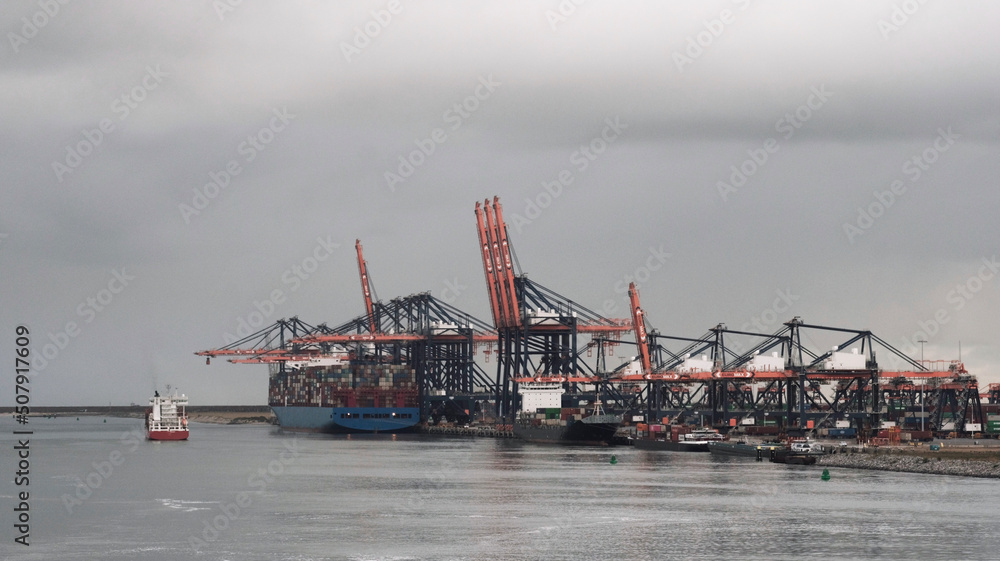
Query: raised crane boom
366,290
507,278
639,326
491,280
507,311
491,255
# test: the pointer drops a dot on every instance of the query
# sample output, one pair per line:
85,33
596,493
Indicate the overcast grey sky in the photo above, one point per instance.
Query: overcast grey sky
166,166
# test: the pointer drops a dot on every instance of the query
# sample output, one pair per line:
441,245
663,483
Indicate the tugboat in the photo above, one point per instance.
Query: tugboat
166,417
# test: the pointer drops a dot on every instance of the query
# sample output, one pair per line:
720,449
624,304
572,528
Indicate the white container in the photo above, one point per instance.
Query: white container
846,361
697,365
761,363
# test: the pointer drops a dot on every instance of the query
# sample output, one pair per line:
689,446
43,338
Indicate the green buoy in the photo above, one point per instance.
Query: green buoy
826,475
614,459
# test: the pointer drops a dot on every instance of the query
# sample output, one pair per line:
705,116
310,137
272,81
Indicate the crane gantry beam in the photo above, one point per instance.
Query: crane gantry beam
477,337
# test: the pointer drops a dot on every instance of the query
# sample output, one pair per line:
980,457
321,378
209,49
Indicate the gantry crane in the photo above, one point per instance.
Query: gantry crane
639,328
366,289
537,328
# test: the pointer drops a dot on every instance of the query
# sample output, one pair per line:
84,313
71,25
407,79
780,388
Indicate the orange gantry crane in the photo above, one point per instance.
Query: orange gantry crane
642,343
537,328
639,328
502,248
492,284
498,264
366,289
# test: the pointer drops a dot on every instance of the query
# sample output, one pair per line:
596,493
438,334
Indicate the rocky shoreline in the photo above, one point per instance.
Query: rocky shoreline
912,464
216,417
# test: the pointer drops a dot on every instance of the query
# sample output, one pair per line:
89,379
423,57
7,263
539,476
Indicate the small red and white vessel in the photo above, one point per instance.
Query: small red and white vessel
166,418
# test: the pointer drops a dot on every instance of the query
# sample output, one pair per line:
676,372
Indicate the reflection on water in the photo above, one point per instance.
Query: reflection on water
252,492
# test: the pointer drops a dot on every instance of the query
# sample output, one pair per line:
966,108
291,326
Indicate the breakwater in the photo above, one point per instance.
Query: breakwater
913,464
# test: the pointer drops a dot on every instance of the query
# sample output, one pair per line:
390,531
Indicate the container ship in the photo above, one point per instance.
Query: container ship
333,395
563,427
542,420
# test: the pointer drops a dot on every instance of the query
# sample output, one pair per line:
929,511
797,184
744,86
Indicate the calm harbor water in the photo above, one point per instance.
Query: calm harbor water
253,492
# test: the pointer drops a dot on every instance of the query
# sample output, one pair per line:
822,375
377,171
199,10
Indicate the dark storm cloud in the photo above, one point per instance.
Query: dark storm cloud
833,99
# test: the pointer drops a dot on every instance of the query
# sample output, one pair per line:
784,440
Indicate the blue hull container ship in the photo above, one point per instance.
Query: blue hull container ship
332,396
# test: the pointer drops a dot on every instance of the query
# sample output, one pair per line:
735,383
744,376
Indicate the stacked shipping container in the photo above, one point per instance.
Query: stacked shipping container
356,385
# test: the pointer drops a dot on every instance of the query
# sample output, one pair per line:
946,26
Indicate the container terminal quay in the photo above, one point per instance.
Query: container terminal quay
544,361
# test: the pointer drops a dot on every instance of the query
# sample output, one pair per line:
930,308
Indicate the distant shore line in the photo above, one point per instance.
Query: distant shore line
107,409
216,414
